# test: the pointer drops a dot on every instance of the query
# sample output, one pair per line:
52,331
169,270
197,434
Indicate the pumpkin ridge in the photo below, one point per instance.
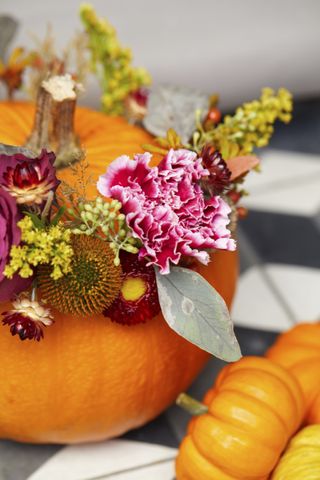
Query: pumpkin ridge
263,403
279,378
256,400
22,124
207,465
223,465
295,343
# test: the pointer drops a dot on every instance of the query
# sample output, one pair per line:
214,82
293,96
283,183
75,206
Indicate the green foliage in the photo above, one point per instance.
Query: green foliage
112,62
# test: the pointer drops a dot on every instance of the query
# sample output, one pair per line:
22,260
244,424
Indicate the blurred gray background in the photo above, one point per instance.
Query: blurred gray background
233,47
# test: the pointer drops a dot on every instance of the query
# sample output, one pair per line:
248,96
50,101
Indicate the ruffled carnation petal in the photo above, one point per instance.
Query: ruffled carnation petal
166,209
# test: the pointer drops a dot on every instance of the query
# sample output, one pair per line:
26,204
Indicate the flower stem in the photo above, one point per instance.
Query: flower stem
192,406
53,126
34,294
47,207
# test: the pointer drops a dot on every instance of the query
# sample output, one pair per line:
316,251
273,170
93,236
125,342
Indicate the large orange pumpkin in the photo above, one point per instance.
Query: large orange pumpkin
299,351
92,379
254,408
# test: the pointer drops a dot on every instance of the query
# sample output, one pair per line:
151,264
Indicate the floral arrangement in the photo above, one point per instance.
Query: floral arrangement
133,250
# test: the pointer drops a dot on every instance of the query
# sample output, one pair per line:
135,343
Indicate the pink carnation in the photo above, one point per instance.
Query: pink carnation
166,209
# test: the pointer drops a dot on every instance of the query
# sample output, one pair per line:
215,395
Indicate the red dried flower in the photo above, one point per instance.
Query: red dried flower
138,298
27,318
220,176
28,180
136,104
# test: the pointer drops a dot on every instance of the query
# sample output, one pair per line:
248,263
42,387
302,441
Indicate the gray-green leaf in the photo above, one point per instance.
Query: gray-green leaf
196,311
8,28
171,106
13,150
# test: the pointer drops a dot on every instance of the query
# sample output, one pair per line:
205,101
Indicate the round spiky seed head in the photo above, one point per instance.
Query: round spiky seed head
92,284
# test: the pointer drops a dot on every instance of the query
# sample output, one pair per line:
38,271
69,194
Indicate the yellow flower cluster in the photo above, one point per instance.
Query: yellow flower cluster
251,126
40,246
119,77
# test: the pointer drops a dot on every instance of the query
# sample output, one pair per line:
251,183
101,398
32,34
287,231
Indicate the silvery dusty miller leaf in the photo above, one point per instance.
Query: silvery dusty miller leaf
174,107
13,150
196,311
8,28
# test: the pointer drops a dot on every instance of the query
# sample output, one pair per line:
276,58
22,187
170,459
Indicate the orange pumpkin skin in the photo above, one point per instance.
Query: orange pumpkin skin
314,411
92,379
103,138
254,408
299,351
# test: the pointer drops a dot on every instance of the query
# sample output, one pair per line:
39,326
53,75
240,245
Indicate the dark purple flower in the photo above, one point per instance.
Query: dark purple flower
28,180
9,235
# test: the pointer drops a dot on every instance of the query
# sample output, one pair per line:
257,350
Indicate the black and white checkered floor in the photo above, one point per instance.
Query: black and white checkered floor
280,279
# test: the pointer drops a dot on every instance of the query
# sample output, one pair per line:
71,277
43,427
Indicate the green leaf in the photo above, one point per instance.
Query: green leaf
8,28
57,216
196,311
37,222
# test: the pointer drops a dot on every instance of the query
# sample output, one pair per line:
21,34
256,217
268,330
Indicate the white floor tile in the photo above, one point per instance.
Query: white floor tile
302,199
163,471
282,167
288,183
89,461
300,287
256,305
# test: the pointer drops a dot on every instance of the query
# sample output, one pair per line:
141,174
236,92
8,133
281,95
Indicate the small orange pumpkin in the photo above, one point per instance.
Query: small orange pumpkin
254,408
299,351
90,378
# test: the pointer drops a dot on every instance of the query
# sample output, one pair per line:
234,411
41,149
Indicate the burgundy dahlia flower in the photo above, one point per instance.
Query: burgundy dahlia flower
166,208
9,235
28,180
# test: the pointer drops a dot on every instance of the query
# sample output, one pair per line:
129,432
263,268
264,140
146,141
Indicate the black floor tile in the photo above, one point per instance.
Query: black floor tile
158,431
254,342
280,238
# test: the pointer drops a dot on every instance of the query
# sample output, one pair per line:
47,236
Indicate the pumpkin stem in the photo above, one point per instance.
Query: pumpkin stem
191,405
53,126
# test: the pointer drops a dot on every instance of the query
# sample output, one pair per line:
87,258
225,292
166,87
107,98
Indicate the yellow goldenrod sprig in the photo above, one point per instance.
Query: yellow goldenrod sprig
50,245
105,216
162,145
113,62
251,126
